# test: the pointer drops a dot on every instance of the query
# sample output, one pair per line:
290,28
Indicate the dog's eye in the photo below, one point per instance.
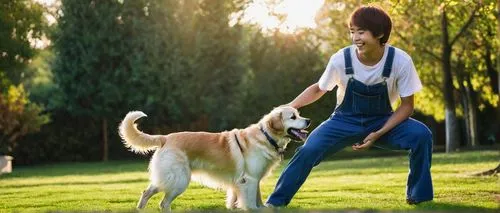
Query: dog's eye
293,117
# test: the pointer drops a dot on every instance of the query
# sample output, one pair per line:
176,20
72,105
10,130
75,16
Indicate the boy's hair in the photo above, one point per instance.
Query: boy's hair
373,19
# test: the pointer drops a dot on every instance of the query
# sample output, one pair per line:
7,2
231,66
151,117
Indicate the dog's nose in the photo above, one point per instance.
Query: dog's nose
308,121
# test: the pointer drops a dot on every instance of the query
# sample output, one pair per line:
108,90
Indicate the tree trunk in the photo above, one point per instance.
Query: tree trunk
452,131
496,170
492,73
472,113
469,105
494,83
464,100
468,102
104,139
498,65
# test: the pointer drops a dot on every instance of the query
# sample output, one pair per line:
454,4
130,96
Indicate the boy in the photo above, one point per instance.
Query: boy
370,75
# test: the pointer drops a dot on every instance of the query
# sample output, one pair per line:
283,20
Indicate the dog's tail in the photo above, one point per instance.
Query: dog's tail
133,138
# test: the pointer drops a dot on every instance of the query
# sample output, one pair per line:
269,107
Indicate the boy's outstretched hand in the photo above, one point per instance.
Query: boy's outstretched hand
367,142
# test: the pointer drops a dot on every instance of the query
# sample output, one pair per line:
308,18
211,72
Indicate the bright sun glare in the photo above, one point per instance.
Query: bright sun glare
298,14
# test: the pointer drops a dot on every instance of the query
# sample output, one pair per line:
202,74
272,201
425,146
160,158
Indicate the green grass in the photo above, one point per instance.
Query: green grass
367,184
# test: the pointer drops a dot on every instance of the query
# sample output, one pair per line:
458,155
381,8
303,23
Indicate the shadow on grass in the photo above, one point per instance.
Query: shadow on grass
138,180
357,160
78,168
423,207
388,159
450,207
435,207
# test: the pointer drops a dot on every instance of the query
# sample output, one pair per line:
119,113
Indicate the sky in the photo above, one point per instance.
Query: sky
298,14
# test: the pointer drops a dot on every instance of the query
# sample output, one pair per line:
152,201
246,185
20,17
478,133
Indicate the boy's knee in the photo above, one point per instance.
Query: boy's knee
309,154
425,134
421,132
422,135
307,150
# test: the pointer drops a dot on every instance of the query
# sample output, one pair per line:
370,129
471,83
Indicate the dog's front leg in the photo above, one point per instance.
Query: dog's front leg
248,188
259,197
231,198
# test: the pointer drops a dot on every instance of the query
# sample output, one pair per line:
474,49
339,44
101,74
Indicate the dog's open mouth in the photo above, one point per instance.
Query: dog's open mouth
297,134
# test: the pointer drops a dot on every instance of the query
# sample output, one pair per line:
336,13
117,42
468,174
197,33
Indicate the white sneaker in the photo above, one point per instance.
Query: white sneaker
268,205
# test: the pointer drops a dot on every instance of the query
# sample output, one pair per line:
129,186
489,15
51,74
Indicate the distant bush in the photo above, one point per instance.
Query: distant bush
18,117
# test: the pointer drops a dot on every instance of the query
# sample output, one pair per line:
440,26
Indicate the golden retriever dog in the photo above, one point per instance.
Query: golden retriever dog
234,161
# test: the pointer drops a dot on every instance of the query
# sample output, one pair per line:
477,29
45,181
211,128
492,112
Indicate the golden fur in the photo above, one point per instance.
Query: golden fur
217,160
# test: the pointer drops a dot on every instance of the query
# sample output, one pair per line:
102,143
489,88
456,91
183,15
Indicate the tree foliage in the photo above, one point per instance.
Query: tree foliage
420,33
21,22
18,117
135,55
281,66
466,53
189,66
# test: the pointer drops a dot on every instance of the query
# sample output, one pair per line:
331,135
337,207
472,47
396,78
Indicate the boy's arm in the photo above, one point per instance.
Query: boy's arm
308,96
402,113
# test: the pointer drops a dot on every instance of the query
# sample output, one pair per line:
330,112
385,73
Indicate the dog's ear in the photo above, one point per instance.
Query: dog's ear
276,122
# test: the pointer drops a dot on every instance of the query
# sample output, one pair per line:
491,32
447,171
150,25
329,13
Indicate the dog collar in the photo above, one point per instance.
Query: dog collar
271,141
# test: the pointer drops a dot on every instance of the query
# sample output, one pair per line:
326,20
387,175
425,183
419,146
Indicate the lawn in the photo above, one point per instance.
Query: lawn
365,184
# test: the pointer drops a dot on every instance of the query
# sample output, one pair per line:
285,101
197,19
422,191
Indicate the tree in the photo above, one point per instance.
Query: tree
21,22
476,75
88,69
144,55
492,74
496,170
217,63
18,117
498,58
452,131
452,24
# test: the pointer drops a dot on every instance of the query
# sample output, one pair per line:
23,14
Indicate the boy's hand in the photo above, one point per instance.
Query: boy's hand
367,142
289,105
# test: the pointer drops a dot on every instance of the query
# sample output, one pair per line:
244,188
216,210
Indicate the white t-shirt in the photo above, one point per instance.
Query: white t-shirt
402,82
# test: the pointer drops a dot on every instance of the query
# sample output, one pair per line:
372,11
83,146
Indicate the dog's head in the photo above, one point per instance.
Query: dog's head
285,121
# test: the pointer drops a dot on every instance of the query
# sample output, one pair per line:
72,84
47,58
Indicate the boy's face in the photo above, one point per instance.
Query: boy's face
364,40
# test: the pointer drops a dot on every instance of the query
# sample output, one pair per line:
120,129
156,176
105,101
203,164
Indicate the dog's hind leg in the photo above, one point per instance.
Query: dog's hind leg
231,198
146,194
171,194
175,184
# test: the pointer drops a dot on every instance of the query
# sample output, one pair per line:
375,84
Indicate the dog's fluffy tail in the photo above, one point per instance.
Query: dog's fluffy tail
133,138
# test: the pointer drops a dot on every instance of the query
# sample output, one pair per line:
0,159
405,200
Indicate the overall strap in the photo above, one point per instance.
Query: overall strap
388,63
347,60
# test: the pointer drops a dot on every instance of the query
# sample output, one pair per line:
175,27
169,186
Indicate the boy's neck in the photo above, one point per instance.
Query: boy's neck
372,57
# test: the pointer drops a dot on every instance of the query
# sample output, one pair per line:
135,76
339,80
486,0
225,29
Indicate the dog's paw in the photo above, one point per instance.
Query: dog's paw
231,206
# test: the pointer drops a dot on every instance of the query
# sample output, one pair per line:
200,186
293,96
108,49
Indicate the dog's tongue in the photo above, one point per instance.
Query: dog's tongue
302,134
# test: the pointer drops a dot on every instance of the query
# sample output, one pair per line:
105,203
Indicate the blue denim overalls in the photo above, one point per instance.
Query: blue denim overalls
365,109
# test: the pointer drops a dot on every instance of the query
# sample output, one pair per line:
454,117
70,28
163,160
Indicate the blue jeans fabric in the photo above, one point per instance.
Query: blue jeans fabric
340,131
